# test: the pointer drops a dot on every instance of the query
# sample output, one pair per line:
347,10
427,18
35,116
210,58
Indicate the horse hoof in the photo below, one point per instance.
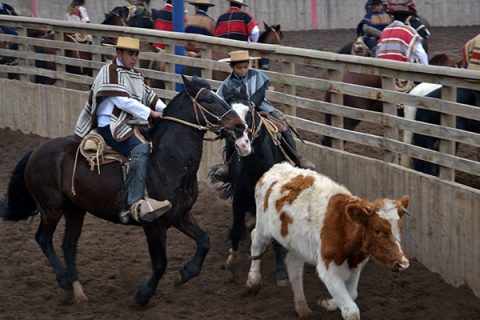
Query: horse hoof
178,279
78,294
282,282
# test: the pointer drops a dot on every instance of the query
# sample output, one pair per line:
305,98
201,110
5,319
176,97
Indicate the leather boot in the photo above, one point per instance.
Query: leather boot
290,145
142,208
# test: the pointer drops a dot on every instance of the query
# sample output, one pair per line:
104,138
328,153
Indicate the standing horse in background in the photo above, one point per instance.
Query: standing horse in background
465,96
50,65
44,182
373,81
244,172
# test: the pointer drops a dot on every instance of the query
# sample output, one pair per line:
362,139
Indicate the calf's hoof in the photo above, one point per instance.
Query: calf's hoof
232,259
253,288
328,304
303,311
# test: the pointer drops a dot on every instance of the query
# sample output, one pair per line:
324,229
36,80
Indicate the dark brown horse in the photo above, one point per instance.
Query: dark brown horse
373,81
43,181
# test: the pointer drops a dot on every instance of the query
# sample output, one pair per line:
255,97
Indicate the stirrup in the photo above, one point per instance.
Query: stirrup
149,209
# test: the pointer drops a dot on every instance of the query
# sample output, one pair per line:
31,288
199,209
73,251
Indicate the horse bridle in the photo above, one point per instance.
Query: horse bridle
277,36
200,112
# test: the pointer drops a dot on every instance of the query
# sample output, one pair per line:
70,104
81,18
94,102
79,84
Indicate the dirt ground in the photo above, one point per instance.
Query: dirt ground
112,259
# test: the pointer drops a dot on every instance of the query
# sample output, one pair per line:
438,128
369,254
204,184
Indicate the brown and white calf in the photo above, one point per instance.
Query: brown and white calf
321,223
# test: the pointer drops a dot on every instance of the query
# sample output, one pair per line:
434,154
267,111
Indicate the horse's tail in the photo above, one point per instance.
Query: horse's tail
226,190
20,204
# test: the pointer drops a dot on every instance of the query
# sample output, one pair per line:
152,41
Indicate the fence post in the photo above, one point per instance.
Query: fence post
289,67
390,132
206,54
448,120
60,68
169,67
337,98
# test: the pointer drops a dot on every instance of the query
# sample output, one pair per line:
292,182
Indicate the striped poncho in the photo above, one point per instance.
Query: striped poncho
471,53
397,42
113,80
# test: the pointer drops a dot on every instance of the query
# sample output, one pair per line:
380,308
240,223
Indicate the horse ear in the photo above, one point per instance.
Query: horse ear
265,25
189,86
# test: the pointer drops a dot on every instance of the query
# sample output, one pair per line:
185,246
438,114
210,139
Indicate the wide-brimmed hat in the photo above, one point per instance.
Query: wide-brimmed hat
126,43
207,3
239,56
240,2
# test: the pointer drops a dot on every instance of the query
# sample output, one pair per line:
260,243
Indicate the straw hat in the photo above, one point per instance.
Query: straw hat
126,43
239,56
201,3
240,2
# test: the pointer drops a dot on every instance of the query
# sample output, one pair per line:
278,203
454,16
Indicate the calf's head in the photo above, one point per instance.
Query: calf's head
381,220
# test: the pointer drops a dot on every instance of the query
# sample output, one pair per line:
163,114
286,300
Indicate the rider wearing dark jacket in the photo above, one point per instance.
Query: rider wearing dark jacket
250,85
373,23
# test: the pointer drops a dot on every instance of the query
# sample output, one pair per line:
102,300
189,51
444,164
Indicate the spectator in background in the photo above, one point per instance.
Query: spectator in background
471,53
200,22
7,9
401,42
237,24
76,12
163,20
373,23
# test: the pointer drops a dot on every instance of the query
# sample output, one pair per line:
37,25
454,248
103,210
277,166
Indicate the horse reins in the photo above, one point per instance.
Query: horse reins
272,130
200,110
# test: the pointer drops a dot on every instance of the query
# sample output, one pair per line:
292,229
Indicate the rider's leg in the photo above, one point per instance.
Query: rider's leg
290,145
141,207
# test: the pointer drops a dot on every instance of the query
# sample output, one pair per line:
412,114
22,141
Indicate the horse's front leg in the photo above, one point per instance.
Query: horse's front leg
238,229
156,234
189,226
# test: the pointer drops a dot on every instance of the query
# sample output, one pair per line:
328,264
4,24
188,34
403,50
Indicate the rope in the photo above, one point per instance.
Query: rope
273,131
73,172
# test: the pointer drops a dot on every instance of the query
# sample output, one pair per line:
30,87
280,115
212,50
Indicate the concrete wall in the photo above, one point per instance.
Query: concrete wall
292,15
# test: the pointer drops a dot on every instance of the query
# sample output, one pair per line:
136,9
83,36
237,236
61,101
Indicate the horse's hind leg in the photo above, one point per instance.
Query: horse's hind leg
73,228
44,237
192,268
280,267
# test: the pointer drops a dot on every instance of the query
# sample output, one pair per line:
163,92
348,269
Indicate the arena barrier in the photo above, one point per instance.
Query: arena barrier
443,230
292,15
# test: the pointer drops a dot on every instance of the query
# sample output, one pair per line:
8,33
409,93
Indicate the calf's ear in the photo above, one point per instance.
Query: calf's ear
404,202
359,212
